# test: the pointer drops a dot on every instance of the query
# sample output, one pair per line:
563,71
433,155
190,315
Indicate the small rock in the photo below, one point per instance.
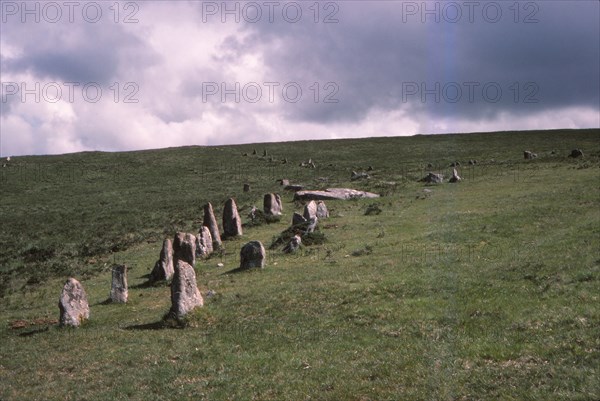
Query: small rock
529,155
220,264
293,245
576,153
246,187
432,178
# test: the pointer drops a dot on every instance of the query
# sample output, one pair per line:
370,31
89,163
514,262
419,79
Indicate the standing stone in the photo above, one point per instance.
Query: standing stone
185,295
252,255
312,225
310,210
529,155
293,245
284,181
163,268
184,248
246,187
211,222
118,291
204,243
576,153
433,178
73,304
455,177
322,211
297,218
272,205
232,223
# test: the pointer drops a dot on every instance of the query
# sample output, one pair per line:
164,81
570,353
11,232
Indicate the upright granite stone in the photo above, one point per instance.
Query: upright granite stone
246,187
211,222
310,210
322,211
272,205
297,218
232,223
455,177
576,153
252,255
184,248
185,295
527,155
204,243
119,290
73,304
163,268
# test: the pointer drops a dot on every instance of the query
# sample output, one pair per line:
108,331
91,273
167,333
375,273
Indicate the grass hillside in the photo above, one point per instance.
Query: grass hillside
485,289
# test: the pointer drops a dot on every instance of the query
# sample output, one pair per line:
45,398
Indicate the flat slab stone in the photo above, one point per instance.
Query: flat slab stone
333,194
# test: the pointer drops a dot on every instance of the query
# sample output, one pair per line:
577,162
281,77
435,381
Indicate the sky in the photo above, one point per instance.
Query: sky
116,76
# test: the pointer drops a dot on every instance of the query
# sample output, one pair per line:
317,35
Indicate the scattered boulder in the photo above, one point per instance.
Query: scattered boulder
472,162
184,248
455,177
73,304
576,153
252,255
284,182
185,295
294,188
284,160
119,291
163,268
322,211
333,194
204,243
529,155
246,187
310,210
211,222
297,218
232,223
272,205
359,176
455,164
433,178
293,245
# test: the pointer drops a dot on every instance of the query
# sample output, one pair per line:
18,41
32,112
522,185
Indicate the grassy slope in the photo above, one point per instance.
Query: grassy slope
483,290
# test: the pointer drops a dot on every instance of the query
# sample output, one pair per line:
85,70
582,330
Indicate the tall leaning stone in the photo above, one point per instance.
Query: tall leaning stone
73,304
272,205
119,291
204,243
252,255
232,223
185,295
184,248
163,268
211,222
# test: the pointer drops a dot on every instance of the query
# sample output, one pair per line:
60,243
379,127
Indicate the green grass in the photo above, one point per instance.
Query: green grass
486,289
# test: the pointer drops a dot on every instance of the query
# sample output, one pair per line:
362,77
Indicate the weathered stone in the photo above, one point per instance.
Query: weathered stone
432,178
163,268
73,304
185,295
333,193
232,223
293,245
254,151
204,243
529,155
246,187
284,182
264,152
310,210
359,176
272,205
184,248
297,218
455,177
119,290
322,211
576,153
472,162
312,224
252,255
211,222
294,188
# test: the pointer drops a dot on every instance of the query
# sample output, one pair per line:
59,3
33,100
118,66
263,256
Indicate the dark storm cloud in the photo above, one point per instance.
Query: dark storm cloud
376,55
